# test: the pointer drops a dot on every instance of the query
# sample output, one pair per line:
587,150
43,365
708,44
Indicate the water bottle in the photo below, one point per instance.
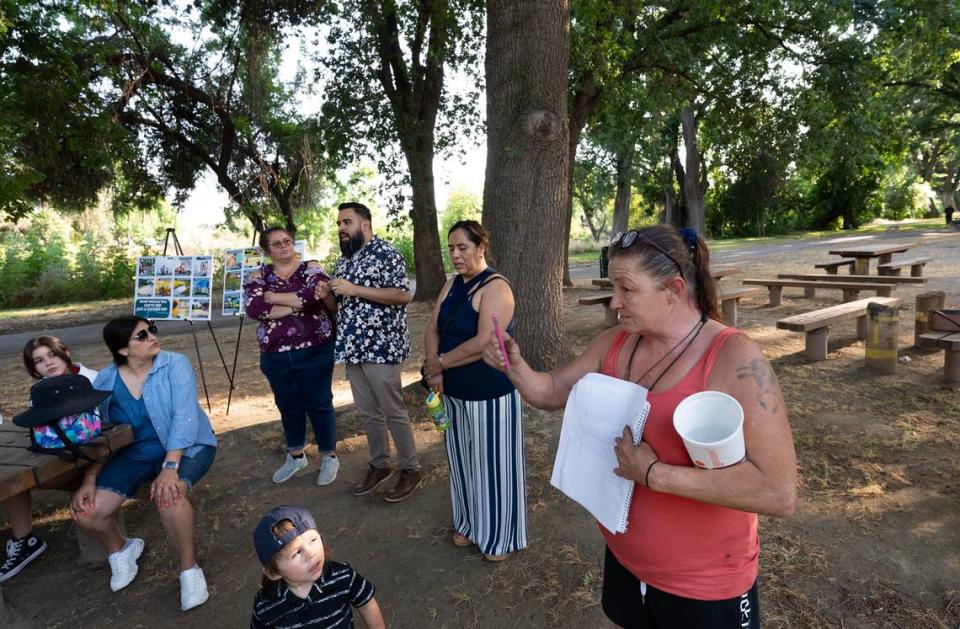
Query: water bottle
437,412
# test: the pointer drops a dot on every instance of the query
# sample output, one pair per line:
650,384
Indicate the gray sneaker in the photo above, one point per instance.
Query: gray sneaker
291,467
329,466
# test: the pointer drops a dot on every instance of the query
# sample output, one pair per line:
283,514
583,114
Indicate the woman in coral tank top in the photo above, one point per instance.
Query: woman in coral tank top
690,555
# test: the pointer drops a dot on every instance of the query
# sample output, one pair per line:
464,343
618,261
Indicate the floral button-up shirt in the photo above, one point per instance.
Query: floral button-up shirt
368,331
310,327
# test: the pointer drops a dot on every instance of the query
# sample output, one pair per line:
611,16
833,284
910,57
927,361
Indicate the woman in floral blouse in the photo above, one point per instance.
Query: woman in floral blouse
296,335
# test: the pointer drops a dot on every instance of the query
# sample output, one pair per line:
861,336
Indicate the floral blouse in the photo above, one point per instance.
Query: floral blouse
310,327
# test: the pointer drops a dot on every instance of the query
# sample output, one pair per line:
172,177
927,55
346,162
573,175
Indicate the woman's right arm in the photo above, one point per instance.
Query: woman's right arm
431,338
256,304
547,390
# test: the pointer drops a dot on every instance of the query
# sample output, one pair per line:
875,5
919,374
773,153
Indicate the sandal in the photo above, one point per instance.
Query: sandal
461,540
496,558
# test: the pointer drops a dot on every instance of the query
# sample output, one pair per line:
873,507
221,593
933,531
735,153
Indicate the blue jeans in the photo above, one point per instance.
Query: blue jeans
301,381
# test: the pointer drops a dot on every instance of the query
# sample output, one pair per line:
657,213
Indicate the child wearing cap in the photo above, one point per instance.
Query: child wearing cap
300,587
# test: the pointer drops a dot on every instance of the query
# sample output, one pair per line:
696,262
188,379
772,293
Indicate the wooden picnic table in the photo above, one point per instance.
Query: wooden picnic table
21,469
717,273
864,253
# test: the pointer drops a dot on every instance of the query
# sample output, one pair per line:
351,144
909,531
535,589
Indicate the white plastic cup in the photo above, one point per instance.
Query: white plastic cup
711,426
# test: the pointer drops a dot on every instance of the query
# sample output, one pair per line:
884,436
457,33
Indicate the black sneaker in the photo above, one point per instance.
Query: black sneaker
20,552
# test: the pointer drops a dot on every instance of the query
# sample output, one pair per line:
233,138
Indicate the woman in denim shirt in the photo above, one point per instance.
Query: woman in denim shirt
173,447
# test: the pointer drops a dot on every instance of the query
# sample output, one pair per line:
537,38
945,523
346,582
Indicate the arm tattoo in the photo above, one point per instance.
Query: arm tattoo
763,376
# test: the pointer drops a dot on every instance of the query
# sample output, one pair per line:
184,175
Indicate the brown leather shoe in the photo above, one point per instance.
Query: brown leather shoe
375,477
408,483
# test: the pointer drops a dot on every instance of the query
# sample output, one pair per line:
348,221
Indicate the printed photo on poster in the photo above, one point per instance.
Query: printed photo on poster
231,282
233,259
184,267
201,287
147,266
251,257
232,304
181,288
200,309
203,266
163,288
145,287
165,266
179,308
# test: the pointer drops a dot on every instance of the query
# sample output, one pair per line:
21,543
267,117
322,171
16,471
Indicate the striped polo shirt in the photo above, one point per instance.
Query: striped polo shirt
328,604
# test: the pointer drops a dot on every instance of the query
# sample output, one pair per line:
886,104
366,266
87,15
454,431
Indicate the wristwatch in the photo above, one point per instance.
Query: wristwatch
171,465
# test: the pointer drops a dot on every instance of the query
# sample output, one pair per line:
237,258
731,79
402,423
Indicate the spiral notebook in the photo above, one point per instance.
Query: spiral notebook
597,410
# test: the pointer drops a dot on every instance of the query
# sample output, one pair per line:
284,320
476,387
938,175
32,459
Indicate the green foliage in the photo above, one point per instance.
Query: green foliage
47,258
462,205
903,196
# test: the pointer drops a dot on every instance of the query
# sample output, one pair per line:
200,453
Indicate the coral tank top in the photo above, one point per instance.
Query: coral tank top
683,546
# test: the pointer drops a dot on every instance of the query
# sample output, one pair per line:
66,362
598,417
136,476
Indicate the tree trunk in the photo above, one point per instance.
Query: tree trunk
621,203
694,183
427,258
585,98
669,206
526,198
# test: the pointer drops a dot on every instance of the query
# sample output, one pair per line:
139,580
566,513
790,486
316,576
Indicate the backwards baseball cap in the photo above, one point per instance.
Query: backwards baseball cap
268,544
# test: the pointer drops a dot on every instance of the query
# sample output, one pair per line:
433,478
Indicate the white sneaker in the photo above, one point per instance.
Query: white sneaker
290,468
193,588
123,564
329,466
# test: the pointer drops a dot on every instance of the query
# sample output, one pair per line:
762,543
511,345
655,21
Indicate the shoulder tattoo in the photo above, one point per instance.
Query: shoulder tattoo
762,374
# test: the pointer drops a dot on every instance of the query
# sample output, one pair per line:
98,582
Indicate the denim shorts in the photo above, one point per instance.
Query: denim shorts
123,475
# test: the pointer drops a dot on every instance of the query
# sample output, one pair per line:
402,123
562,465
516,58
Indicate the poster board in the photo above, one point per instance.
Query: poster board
238,264
173,287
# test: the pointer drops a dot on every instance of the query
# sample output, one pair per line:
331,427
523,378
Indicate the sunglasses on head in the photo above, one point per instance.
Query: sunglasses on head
143,334
624,240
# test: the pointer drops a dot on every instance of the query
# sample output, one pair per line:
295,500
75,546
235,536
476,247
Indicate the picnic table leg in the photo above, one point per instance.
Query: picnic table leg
730,312
916,270
951,370
850,295
862,327
610,317
816,349
831,270
862,266
810,292
776,295
884,291
887,257
92,550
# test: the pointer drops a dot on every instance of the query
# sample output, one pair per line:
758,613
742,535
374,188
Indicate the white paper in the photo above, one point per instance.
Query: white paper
597,410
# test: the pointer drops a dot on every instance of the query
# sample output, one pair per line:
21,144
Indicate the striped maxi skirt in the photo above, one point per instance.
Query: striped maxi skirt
487,481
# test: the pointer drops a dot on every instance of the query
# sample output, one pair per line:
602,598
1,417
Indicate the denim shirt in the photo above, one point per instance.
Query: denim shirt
170,395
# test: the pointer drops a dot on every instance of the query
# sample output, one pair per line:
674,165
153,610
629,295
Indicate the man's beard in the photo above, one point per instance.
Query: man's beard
352,245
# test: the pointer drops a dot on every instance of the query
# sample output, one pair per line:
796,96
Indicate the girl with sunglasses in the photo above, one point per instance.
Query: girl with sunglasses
43,357
156,393
690,554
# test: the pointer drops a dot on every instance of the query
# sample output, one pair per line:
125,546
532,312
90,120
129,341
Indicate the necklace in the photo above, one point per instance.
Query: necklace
694,331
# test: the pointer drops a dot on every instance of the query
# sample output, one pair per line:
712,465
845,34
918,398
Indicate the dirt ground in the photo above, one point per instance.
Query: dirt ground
875,541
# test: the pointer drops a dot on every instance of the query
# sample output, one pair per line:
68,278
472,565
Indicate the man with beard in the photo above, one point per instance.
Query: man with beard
372,292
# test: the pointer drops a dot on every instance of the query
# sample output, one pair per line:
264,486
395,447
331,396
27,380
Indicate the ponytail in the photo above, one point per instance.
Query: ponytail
705,287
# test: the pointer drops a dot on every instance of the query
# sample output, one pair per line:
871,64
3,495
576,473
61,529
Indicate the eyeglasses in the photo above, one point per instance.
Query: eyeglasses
625,239
286,242
142,335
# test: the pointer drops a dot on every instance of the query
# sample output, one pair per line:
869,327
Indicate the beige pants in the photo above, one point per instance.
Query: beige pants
377,395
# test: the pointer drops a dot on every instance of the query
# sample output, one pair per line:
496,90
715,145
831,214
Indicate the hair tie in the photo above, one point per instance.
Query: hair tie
689,238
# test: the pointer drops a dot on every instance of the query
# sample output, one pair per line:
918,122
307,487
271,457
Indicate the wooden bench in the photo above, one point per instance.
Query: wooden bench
851,290
892,269
949,342
831,267
23,470
821,277
816,324
609,315
728,301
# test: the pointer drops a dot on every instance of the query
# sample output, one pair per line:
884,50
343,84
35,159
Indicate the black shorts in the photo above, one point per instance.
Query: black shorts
627,606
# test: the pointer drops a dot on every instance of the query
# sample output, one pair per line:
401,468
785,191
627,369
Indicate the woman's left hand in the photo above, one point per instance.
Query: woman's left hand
166,490
633,460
